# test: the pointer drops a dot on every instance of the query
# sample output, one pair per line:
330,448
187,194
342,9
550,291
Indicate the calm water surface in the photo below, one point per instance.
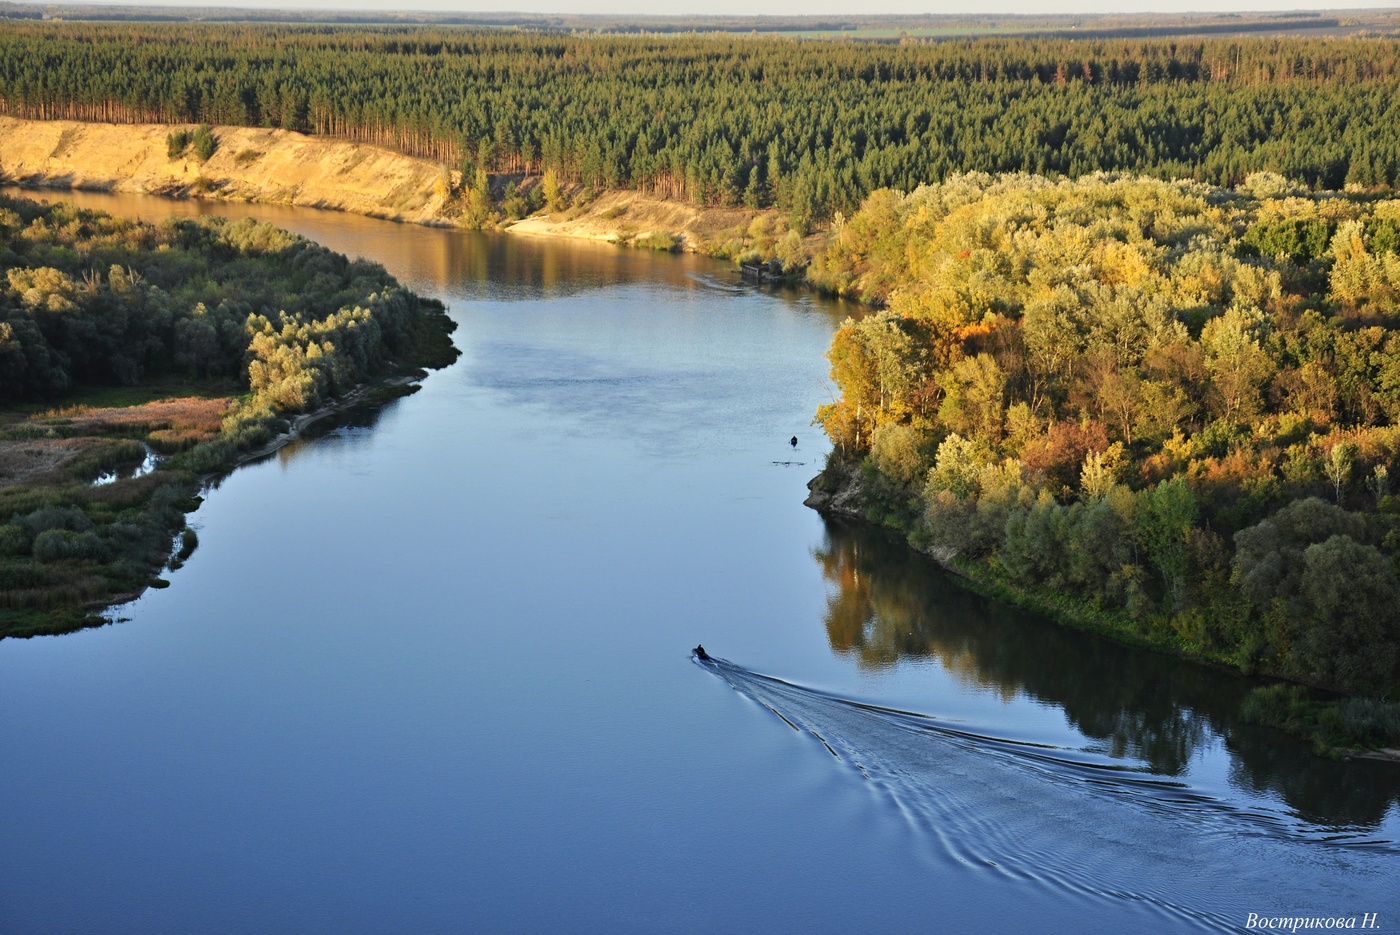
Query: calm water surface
429,672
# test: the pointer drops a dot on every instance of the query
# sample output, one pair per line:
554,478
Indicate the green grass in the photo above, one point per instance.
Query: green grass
27,622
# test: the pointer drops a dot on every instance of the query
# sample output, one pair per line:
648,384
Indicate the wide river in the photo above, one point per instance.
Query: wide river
429,672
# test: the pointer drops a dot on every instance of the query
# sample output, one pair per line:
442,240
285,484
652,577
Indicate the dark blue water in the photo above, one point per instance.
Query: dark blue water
429,672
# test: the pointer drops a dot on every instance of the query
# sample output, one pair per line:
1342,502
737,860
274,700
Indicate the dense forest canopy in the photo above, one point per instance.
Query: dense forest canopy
811,127
1176,402
96,300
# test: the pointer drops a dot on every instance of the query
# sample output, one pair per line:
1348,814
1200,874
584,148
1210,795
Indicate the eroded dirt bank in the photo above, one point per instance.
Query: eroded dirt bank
275,166
282,167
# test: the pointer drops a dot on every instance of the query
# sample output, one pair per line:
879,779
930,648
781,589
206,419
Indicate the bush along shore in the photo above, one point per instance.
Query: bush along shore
1161,411
139,360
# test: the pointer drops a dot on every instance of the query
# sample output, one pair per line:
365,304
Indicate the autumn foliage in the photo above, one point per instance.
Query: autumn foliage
1097,390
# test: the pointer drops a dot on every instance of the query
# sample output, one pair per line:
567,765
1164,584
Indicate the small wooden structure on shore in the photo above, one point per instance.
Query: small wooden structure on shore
761,272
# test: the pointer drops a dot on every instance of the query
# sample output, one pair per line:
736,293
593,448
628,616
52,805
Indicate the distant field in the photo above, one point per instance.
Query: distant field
1092,30
877,28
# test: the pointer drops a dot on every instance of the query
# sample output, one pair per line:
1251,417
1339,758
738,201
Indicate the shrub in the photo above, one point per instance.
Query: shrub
1351,722
24,577
204,143
206,457
54,517
13,540
176,143
1276,705
105,457
54,545
659,240
189,541
1362,721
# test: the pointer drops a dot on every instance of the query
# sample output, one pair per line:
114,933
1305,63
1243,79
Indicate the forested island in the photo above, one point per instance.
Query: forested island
1164,410
99,318
1131,355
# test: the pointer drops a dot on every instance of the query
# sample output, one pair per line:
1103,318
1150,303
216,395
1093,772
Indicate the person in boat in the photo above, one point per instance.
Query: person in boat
701,654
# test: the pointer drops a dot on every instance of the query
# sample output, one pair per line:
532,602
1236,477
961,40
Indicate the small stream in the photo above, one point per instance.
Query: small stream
146,465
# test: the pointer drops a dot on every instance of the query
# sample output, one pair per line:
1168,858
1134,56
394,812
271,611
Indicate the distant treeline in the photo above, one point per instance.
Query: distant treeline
809,127
1076,25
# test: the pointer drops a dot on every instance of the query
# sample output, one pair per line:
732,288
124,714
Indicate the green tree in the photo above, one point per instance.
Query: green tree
1167,512
553,194
1352,638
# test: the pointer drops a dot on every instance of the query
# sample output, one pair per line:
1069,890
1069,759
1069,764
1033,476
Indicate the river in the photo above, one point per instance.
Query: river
429,671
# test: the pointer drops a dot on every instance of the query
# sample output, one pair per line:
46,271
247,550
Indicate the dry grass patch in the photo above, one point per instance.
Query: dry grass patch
50,446
188,414
24,461
172,440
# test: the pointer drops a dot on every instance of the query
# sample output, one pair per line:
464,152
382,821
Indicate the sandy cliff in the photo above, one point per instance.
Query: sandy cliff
249,165
281,167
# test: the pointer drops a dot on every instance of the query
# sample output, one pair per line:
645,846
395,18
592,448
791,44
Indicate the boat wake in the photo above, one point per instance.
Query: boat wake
718,284
1070,819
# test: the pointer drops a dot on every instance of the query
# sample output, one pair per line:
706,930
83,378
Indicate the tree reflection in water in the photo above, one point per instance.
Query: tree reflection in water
888,603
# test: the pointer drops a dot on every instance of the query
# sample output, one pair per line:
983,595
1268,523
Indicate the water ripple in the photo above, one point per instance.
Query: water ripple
1074,820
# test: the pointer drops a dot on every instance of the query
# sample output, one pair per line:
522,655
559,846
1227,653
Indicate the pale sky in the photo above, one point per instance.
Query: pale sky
786,7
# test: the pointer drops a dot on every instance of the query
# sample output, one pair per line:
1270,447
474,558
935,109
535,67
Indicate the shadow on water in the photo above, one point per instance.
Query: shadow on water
353,422
890,604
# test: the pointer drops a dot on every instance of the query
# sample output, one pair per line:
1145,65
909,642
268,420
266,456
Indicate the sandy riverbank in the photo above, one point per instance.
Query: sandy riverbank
282,167
274,166
631,218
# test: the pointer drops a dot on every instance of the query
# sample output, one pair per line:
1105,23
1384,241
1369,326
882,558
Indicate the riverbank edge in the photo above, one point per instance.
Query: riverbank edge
836,491
96,613
432,349
265,166
388,387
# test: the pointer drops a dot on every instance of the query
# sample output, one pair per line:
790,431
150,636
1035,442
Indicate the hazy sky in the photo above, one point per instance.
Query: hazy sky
790,7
